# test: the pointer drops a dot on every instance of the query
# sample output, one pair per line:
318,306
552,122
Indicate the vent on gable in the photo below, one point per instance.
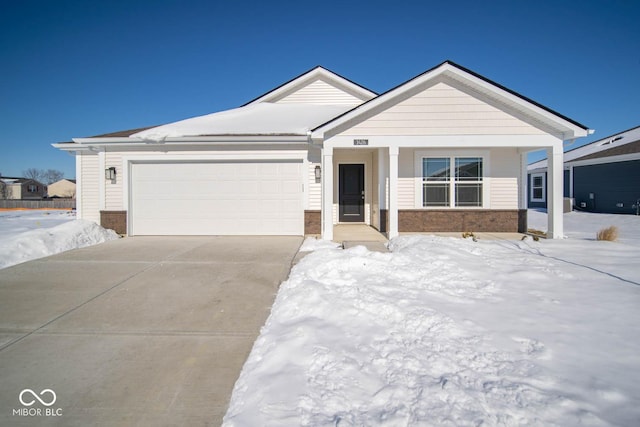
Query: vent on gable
611,141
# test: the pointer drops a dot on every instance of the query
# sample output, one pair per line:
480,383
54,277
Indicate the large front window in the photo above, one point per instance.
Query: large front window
443,187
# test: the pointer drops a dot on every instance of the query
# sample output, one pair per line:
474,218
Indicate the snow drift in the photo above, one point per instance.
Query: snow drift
446,331
31,235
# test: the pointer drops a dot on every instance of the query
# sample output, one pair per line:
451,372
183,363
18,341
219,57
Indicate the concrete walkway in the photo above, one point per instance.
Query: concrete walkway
139,331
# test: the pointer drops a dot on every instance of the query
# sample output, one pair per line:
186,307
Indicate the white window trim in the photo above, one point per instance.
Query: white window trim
452,154
544,187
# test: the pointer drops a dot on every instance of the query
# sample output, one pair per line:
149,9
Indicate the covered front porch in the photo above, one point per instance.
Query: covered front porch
383,186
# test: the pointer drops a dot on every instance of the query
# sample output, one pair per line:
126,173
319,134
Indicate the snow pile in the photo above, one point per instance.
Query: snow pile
264,118
27,235
447,331
311,244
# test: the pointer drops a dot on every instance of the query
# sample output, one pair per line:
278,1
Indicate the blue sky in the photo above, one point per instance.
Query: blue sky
82,68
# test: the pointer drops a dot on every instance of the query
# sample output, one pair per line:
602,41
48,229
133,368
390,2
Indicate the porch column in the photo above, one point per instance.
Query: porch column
382,188
524,182
327,193
555,228
393,192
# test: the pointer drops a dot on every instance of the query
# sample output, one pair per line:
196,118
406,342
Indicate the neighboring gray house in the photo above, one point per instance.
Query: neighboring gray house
603,176
21,189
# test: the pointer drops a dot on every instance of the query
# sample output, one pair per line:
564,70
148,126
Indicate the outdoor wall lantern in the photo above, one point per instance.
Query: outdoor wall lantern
318,172
110,173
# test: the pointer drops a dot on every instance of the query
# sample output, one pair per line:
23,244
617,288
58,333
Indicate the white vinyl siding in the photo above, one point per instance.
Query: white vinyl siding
405,193
320,92
90,187
504,193
315,189
504,179
442,110
113,190
406,179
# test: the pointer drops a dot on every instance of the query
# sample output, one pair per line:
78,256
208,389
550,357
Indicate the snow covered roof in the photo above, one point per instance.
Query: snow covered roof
605,147
263,118
14,180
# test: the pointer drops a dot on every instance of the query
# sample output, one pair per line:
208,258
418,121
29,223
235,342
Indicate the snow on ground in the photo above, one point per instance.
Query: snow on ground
311,244
447,331
31,234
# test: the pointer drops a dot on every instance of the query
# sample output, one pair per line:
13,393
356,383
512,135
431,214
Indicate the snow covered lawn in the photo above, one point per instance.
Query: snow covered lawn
31,234
447,331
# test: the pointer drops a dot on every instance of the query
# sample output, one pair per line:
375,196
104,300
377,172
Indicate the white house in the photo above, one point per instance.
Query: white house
444,151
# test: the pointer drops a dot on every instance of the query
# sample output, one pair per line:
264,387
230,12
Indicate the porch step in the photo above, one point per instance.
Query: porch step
370,245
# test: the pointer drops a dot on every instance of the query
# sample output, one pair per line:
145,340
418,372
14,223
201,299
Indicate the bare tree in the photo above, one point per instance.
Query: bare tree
4,191
47,177
52,175
33,173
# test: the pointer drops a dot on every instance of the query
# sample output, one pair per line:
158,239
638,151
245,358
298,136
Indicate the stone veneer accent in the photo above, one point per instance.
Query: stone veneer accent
114,220
312,222
450,220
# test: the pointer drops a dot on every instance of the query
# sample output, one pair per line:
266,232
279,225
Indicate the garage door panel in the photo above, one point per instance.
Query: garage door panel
216,198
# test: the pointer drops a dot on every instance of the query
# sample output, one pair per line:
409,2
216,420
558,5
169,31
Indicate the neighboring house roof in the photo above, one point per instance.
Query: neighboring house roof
619,144
63,180
618,150
11,180
465,80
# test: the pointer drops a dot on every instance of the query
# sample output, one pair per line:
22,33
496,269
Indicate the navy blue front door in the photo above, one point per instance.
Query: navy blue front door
351,194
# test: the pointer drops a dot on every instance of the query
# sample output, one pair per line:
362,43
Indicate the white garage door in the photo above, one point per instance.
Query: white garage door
217,198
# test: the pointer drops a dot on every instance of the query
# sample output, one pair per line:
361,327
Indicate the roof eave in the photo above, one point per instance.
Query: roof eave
91,144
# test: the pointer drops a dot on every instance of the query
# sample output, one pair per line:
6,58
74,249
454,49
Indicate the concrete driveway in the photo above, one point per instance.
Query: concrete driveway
138,331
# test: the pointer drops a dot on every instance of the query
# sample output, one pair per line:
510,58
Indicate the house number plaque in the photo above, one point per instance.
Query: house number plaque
360,142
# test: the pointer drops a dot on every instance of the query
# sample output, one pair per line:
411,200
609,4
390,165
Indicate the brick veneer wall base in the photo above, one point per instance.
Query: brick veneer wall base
114,220
312,222
454,220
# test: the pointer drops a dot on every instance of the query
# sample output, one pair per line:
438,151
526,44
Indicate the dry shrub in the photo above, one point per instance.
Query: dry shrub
536,234
609,234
